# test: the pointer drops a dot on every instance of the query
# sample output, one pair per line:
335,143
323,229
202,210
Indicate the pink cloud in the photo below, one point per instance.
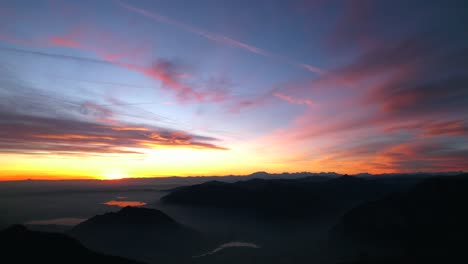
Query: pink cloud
64,42
434,128
161,70
165,71
293,100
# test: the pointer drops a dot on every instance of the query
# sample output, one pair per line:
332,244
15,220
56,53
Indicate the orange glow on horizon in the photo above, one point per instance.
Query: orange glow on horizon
113,174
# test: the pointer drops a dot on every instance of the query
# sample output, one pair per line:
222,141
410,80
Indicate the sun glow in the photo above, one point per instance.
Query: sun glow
113,174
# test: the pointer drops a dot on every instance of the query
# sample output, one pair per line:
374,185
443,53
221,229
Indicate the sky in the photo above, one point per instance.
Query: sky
119,88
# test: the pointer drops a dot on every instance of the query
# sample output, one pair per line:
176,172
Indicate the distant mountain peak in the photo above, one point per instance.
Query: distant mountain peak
259,173
214,182
140,233
131,210
348,178
130,216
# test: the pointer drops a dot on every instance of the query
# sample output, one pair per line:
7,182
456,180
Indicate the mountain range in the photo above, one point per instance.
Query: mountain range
368,220
21,245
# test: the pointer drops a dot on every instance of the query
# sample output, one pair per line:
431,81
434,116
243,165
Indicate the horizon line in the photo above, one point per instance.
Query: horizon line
97,178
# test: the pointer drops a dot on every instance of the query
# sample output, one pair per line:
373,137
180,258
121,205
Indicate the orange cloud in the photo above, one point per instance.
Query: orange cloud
29,134
130,128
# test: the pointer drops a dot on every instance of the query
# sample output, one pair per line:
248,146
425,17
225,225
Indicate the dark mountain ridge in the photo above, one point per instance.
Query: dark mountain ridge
287,198
141,233
426,223
20,245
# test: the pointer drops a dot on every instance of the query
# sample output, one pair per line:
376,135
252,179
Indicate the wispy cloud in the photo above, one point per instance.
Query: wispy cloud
163,70
59,56
171,74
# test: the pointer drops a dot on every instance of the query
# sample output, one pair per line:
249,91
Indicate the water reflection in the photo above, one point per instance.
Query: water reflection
124,203
229,245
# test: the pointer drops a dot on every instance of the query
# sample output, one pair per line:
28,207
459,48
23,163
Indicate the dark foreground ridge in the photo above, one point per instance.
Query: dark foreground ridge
20,245
427,224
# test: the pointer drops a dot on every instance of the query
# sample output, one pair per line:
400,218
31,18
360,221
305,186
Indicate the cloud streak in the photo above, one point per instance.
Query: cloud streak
222,39
53,55
293,100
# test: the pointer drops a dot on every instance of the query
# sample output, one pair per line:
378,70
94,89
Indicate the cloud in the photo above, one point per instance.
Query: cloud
161,69
28,134
393,155
56,125
355,28
173,75
414,78
241,102
396,101
217,37
435,128
396,104
293,100
170,72
424,155
167,71
53,55
100,113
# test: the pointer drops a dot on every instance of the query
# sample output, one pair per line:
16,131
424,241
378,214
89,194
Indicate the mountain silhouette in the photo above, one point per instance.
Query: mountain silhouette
264,196
296,175
282,198
20,245
427,223
140,233
144,217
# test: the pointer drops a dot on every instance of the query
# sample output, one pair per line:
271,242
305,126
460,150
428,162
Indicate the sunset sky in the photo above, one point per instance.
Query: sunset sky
120,88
